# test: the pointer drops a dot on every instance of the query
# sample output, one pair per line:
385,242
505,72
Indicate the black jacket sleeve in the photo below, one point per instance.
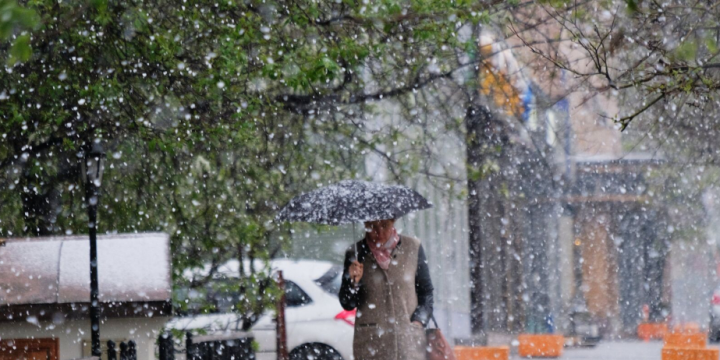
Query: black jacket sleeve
424,290
348,290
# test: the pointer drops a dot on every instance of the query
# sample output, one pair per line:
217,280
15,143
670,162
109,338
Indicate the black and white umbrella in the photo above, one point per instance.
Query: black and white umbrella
352,201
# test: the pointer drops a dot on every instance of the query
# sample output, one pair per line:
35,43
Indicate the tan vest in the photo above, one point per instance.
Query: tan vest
387,299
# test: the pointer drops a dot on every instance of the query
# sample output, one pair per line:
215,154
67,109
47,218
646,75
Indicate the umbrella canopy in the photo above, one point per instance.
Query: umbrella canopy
352,201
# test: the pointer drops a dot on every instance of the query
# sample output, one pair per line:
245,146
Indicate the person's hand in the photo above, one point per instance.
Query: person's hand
418,324
356,272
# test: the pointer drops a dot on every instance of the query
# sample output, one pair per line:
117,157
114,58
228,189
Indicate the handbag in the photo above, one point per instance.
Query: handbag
438,346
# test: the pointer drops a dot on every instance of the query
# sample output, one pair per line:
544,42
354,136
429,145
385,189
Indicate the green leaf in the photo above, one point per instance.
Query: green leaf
13,16
100,5
711,44
21,50
632,6
686,51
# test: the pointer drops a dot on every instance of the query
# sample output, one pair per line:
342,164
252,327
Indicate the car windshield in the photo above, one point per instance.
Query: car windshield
330,281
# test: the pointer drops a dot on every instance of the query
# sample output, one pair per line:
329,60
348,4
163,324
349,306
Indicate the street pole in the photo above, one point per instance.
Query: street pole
92,169
281,334
92,198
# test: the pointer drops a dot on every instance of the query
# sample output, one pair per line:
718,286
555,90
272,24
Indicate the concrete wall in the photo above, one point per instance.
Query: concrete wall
74,334
693,281
443,232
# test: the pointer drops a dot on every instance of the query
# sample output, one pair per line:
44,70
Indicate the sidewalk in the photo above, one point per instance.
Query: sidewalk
625,350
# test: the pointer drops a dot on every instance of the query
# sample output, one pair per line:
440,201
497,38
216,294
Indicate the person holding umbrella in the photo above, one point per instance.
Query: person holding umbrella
388,281
386,276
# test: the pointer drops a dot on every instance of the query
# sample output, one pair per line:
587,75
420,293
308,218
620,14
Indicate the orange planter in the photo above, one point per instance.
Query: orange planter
541,345
685,340
647,331
672,353
687,328
482,352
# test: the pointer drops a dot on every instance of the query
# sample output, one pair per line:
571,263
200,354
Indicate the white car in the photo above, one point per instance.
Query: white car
317,326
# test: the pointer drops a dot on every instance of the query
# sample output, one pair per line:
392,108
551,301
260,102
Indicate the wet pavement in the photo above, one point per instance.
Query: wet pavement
616,350
628,350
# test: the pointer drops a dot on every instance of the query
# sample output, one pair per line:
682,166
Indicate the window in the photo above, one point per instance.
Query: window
331,280
295,296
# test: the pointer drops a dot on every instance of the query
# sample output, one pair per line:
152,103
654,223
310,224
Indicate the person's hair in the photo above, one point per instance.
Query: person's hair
392,221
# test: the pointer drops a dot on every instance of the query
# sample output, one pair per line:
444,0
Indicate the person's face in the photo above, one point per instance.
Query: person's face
379,231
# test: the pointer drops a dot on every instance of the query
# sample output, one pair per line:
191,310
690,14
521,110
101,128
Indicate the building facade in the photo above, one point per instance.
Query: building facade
45,292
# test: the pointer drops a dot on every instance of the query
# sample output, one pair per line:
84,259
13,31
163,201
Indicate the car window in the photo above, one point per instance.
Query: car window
331,280
218,295
224,301
191,299
295,296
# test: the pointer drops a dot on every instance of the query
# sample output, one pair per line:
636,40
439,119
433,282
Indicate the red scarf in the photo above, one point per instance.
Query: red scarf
383,252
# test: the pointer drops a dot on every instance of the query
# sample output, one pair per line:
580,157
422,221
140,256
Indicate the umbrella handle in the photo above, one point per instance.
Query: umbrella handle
355,243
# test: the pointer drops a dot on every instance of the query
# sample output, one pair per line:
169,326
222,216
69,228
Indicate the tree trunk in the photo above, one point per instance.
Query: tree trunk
477,120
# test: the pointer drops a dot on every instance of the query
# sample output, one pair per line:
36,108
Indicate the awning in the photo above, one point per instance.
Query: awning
56,270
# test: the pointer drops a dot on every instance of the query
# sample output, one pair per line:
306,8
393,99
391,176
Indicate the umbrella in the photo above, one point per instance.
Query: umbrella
352,201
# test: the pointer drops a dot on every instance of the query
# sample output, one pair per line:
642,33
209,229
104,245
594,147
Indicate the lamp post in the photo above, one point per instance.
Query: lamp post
92,169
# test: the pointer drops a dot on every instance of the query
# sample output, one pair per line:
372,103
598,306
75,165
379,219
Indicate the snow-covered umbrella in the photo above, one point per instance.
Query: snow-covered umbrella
352,201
